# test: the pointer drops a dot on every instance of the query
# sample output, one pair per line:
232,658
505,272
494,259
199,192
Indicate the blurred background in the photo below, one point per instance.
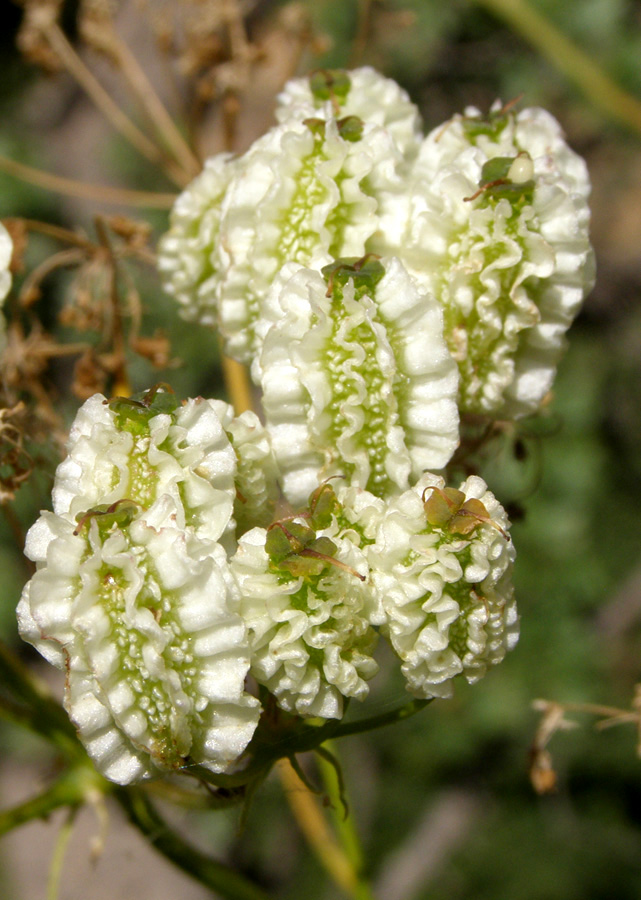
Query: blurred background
443,802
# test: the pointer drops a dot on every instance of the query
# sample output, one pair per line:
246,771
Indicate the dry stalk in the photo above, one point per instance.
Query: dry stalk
99,33
98,193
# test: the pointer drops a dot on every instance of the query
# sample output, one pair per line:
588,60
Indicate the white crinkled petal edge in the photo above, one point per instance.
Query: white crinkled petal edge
533,130
371,97
544,271
310,349
422,575
145,625
256,472
188,253
299,198
186,455
287,637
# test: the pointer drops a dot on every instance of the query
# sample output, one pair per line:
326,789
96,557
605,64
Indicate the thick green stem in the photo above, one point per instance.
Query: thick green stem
214,875
344,729
344,825
578,66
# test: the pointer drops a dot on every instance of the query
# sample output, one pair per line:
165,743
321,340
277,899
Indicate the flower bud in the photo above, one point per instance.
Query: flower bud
144,449
306,191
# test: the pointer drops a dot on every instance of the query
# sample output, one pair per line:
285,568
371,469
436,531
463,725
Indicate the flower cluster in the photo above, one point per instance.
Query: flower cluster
379,283
488,215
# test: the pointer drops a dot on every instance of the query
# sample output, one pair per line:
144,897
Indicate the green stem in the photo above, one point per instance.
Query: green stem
344,825
36,709
71,789
214,875
55,872
388,718
578,66
266,749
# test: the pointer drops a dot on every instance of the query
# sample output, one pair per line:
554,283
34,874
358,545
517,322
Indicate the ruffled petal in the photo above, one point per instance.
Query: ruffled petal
370,96
256,472
498,231
145,623
302,194
361,386
188,259
311,642
185,455
444,586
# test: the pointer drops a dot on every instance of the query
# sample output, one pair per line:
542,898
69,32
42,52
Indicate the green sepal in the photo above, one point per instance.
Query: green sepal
135,412
281,541
121,514
442,505
494,181
296,549
311,560
365,272
511,191
323,545
131,414
316,126
495,168
330,84
491,125
350,128
323,506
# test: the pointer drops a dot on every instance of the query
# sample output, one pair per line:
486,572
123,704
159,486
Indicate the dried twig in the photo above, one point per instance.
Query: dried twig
72,188
56,39
102,36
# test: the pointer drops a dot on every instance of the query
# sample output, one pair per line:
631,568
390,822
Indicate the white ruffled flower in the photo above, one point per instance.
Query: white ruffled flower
6,251
360,92
311,642
358,513
124,450
305,192
143,618
441,568
187,254
256,475
358,383
498,231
